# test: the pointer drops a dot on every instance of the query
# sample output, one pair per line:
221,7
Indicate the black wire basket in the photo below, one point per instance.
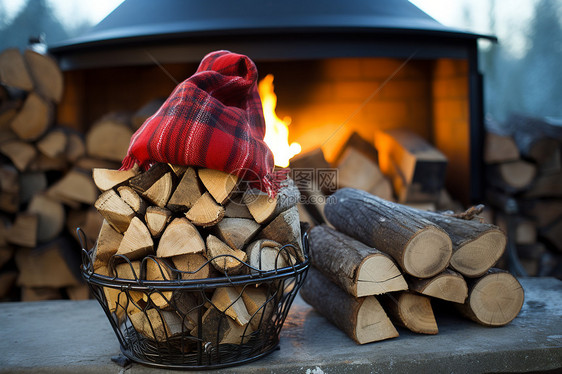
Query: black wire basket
181,323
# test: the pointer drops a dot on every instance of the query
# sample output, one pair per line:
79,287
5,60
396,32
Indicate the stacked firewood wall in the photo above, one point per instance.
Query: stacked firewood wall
524,179
46,186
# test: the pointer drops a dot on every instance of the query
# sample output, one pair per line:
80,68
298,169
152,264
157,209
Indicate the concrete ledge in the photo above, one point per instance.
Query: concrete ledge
71,337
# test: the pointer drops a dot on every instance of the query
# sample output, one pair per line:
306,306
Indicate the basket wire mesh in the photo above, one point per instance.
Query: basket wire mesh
179,323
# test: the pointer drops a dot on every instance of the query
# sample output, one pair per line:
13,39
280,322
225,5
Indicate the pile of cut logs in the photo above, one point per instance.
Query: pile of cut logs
173,222
382,258
524,177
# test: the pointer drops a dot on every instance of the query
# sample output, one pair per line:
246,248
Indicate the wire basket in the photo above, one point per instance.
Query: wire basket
181,323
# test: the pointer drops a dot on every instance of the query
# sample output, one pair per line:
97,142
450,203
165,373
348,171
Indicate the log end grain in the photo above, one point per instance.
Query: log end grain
377,275
428,253
476,257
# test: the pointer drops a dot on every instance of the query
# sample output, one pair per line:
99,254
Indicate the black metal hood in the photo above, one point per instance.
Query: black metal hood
183,30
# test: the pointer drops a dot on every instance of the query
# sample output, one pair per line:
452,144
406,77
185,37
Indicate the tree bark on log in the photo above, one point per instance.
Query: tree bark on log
421,248
358,269
476,246
363,319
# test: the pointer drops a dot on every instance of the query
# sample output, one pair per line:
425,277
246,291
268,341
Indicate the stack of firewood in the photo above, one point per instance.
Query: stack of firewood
524,179
173,222
383,258
41,192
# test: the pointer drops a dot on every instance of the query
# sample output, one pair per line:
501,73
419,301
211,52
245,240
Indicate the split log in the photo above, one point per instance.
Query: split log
90,221
265,255
6,251
448,285
535,137
159,325
259,307
524,230
416,168
31,184
126,301
219,184
421,248
156,219
360,144
362,319
75,146
106,179
51,217
186,193
132,199
358,269
494,299
180,237
46,75
46,266
224,258
24,230
46,163
286,229
187,304
236,232
19,152
193,266
205,212
10,189
411,311
546,185
235,208
137,242
476,246
13,71
499,148
117,212
144,180
90,163
511,176
75,186
109,138
107,244
33,119
53,144
229,301
264,209
158,269
542,211
305,169
159,193
217,328
355,170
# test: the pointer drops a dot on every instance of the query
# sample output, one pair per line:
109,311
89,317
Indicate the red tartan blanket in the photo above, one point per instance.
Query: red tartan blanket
213,119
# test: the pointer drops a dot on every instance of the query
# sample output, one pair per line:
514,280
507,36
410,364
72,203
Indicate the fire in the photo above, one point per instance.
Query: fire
277,130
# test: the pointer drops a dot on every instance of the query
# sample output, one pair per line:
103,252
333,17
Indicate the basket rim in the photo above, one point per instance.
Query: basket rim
139,284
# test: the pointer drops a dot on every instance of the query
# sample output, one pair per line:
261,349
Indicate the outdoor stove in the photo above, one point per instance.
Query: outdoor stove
342,67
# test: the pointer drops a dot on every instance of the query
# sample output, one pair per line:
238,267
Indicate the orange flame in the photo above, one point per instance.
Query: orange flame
277,130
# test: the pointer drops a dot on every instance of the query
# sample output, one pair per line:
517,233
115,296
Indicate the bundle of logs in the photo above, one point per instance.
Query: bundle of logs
524,174
172,223
381,259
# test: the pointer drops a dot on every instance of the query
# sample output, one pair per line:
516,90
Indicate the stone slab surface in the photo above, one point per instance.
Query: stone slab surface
75,337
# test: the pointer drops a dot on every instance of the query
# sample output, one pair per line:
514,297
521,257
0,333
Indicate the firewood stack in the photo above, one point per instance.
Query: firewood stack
524,179
173,222
383,259
43,191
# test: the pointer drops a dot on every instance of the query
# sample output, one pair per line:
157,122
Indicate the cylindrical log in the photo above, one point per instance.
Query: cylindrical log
357,268
420,247
494,299
363,319
477,246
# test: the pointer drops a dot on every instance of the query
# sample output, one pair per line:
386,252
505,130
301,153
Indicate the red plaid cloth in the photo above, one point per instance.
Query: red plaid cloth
213,119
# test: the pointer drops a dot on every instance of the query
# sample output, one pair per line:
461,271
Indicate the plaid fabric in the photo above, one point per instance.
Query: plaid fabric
213,119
